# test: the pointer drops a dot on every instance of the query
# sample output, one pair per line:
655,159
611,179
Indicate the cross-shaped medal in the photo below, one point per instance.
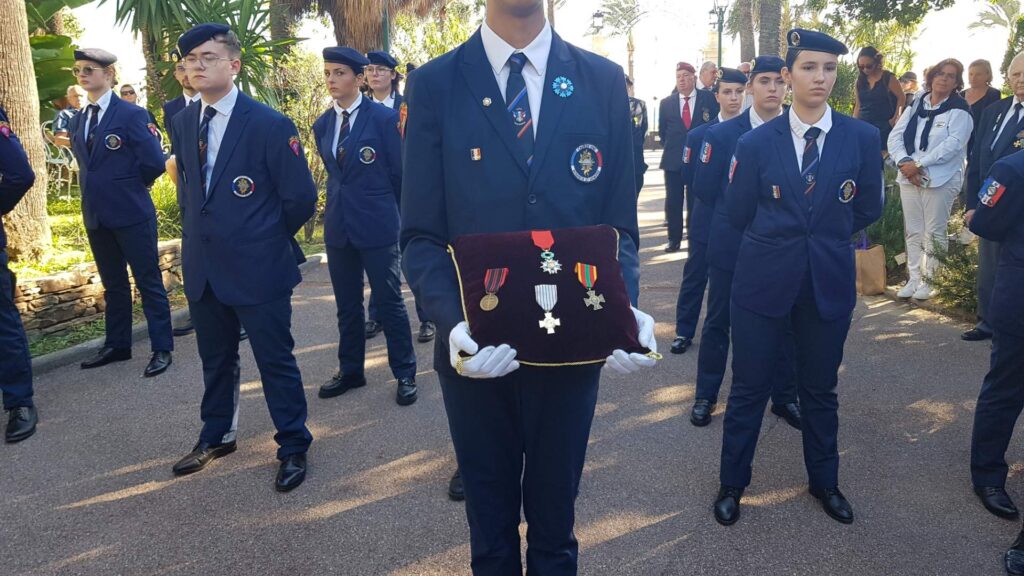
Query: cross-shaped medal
594,299
549,322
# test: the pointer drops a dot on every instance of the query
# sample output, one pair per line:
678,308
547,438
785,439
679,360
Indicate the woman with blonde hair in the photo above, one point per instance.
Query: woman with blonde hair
979,93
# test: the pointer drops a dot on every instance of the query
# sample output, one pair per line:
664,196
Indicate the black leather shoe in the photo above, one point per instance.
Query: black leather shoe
184,329
727,505
701,413
291,473
835,504
975,335
202,455
157,364
427,332
21,423
672,247
373,328
341,383
790,412
997,501
242,335
1014,558
455,490
107,355
406,393
681,344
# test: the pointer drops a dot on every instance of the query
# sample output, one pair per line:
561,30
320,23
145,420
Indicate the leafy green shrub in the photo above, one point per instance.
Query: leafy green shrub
954,281
888,230
168,213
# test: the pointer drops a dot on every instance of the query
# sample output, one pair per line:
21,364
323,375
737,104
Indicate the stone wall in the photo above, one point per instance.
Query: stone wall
55,304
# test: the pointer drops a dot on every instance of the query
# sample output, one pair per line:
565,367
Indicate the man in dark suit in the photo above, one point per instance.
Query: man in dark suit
246,190
361,147
999,133
681,111
476,161
119,158
16,177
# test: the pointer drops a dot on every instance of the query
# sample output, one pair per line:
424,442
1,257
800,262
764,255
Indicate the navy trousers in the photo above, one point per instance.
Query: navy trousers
757,341
269,328
114,250
674,201
999,404
714,346
691,290
383,268
520,442
15,362
371,310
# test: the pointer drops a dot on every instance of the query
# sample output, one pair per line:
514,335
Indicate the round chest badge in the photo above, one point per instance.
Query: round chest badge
112,142
243,186
367,155
847,191
586,163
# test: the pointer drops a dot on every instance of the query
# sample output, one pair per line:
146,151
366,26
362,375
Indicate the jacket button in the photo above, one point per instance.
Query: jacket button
204,213
532,198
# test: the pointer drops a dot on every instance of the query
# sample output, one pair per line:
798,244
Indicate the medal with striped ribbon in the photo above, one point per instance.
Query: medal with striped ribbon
587,275
547,297
494,279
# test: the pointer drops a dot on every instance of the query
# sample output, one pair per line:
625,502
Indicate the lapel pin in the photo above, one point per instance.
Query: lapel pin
475,155
486,102
562,87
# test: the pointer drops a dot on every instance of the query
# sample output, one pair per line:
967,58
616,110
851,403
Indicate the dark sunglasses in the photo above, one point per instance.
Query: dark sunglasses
866,66
128,93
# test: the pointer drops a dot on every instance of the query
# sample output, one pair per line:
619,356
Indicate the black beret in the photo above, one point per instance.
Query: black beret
812,41
350,57
382,58
97,55
199,34
763,64
732,76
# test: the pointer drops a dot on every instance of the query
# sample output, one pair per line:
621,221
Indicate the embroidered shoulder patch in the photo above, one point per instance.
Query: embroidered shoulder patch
991,192
732,168
294,144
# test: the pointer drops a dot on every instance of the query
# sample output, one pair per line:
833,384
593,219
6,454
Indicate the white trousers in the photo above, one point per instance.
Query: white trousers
925,220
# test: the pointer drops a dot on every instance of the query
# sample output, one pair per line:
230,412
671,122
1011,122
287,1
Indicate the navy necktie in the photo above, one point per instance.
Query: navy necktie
90,130
810,160
519,106
204,139
339,154
1013,127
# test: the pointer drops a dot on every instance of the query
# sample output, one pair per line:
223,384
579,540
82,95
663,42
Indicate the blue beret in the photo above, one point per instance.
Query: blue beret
763,64
199,34
382,58
799,39
97,55
731,75
350,57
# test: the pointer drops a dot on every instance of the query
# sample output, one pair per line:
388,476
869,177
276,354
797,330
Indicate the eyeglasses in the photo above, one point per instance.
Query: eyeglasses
865,67
84,70
192,61
128,93
377,70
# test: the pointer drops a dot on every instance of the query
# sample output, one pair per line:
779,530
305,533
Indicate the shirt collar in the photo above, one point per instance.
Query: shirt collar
225,105
352,107
390,96
799,128
498,51
104,101
692,95
193,98
756,120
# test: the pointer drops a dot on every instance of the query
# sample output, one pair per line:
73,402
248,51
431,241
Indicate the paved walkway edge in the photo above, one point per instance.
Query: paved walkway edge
140,333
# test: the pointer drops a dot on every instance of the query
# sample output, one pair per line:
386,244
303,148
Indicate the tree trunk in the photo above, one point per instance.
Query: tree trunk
155,96
28,229
770,12
745,18
551,15
630,50
282,22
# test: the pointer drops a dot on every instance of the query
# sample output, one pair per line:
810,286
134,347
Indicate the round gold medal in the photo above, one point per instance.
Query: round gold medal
489,302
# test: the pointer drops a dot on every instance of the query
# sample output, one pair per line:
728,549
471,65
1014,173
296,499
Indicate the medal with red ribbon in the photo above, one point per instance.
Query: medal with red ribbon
494,279
587,275
544,240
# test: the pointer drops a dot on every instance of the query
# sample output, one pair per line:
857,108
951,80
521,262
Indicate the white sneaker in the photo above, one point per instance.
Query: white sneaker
923,292
908,290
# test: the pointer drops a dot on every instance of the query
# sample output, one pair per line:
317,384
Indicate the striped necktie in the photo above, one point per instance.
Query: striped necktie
90,130
810,160
519,106
339,154
204,139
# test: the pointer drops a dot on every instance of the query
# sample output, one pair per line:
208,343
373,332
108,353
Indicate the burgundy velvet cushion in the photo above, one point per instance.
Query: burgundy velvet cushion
585,335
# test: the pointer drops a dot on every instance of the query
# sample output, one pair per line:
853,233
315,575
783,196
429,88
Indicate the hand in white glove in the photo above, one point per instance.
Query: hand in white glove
624,363
490,362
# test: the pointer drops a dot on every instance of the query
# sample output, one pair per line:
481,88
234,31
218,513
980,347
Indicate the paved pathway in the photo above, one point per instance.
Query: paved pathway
92,492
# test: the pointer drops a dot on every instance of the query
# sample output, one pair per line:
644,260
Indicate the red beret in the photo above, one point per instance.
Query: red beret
686,66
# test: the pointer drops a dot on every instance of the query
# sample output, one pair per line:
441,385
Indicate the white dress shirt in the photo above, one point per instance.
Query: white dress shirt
388,100
756,120
797,128
947,142
218,125
353,111
1010,115
103,103
692,100
498,52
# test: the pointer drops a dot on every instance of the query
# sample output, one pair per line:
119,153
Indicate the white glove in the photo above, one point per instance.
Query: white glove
490,362
624,363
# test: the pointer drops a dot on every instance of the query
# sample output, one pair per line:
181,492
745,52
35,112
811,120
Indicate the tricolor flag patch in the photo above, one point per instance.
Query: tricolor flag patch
732,168
705,153
991,192
686,154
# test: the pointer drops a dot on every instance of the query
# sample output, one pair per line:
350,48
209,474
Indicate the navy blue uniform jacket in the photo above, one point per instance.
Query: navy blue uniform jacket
672,130
125,161
171,109
463,174
243,246
787,233
16,176
700,222
982,155
1000,218
362,200
711,177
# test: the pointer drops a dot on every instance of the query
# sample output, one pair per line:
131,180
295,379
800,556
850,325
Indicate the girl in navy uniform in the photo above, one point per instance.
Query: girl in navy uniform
800,187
